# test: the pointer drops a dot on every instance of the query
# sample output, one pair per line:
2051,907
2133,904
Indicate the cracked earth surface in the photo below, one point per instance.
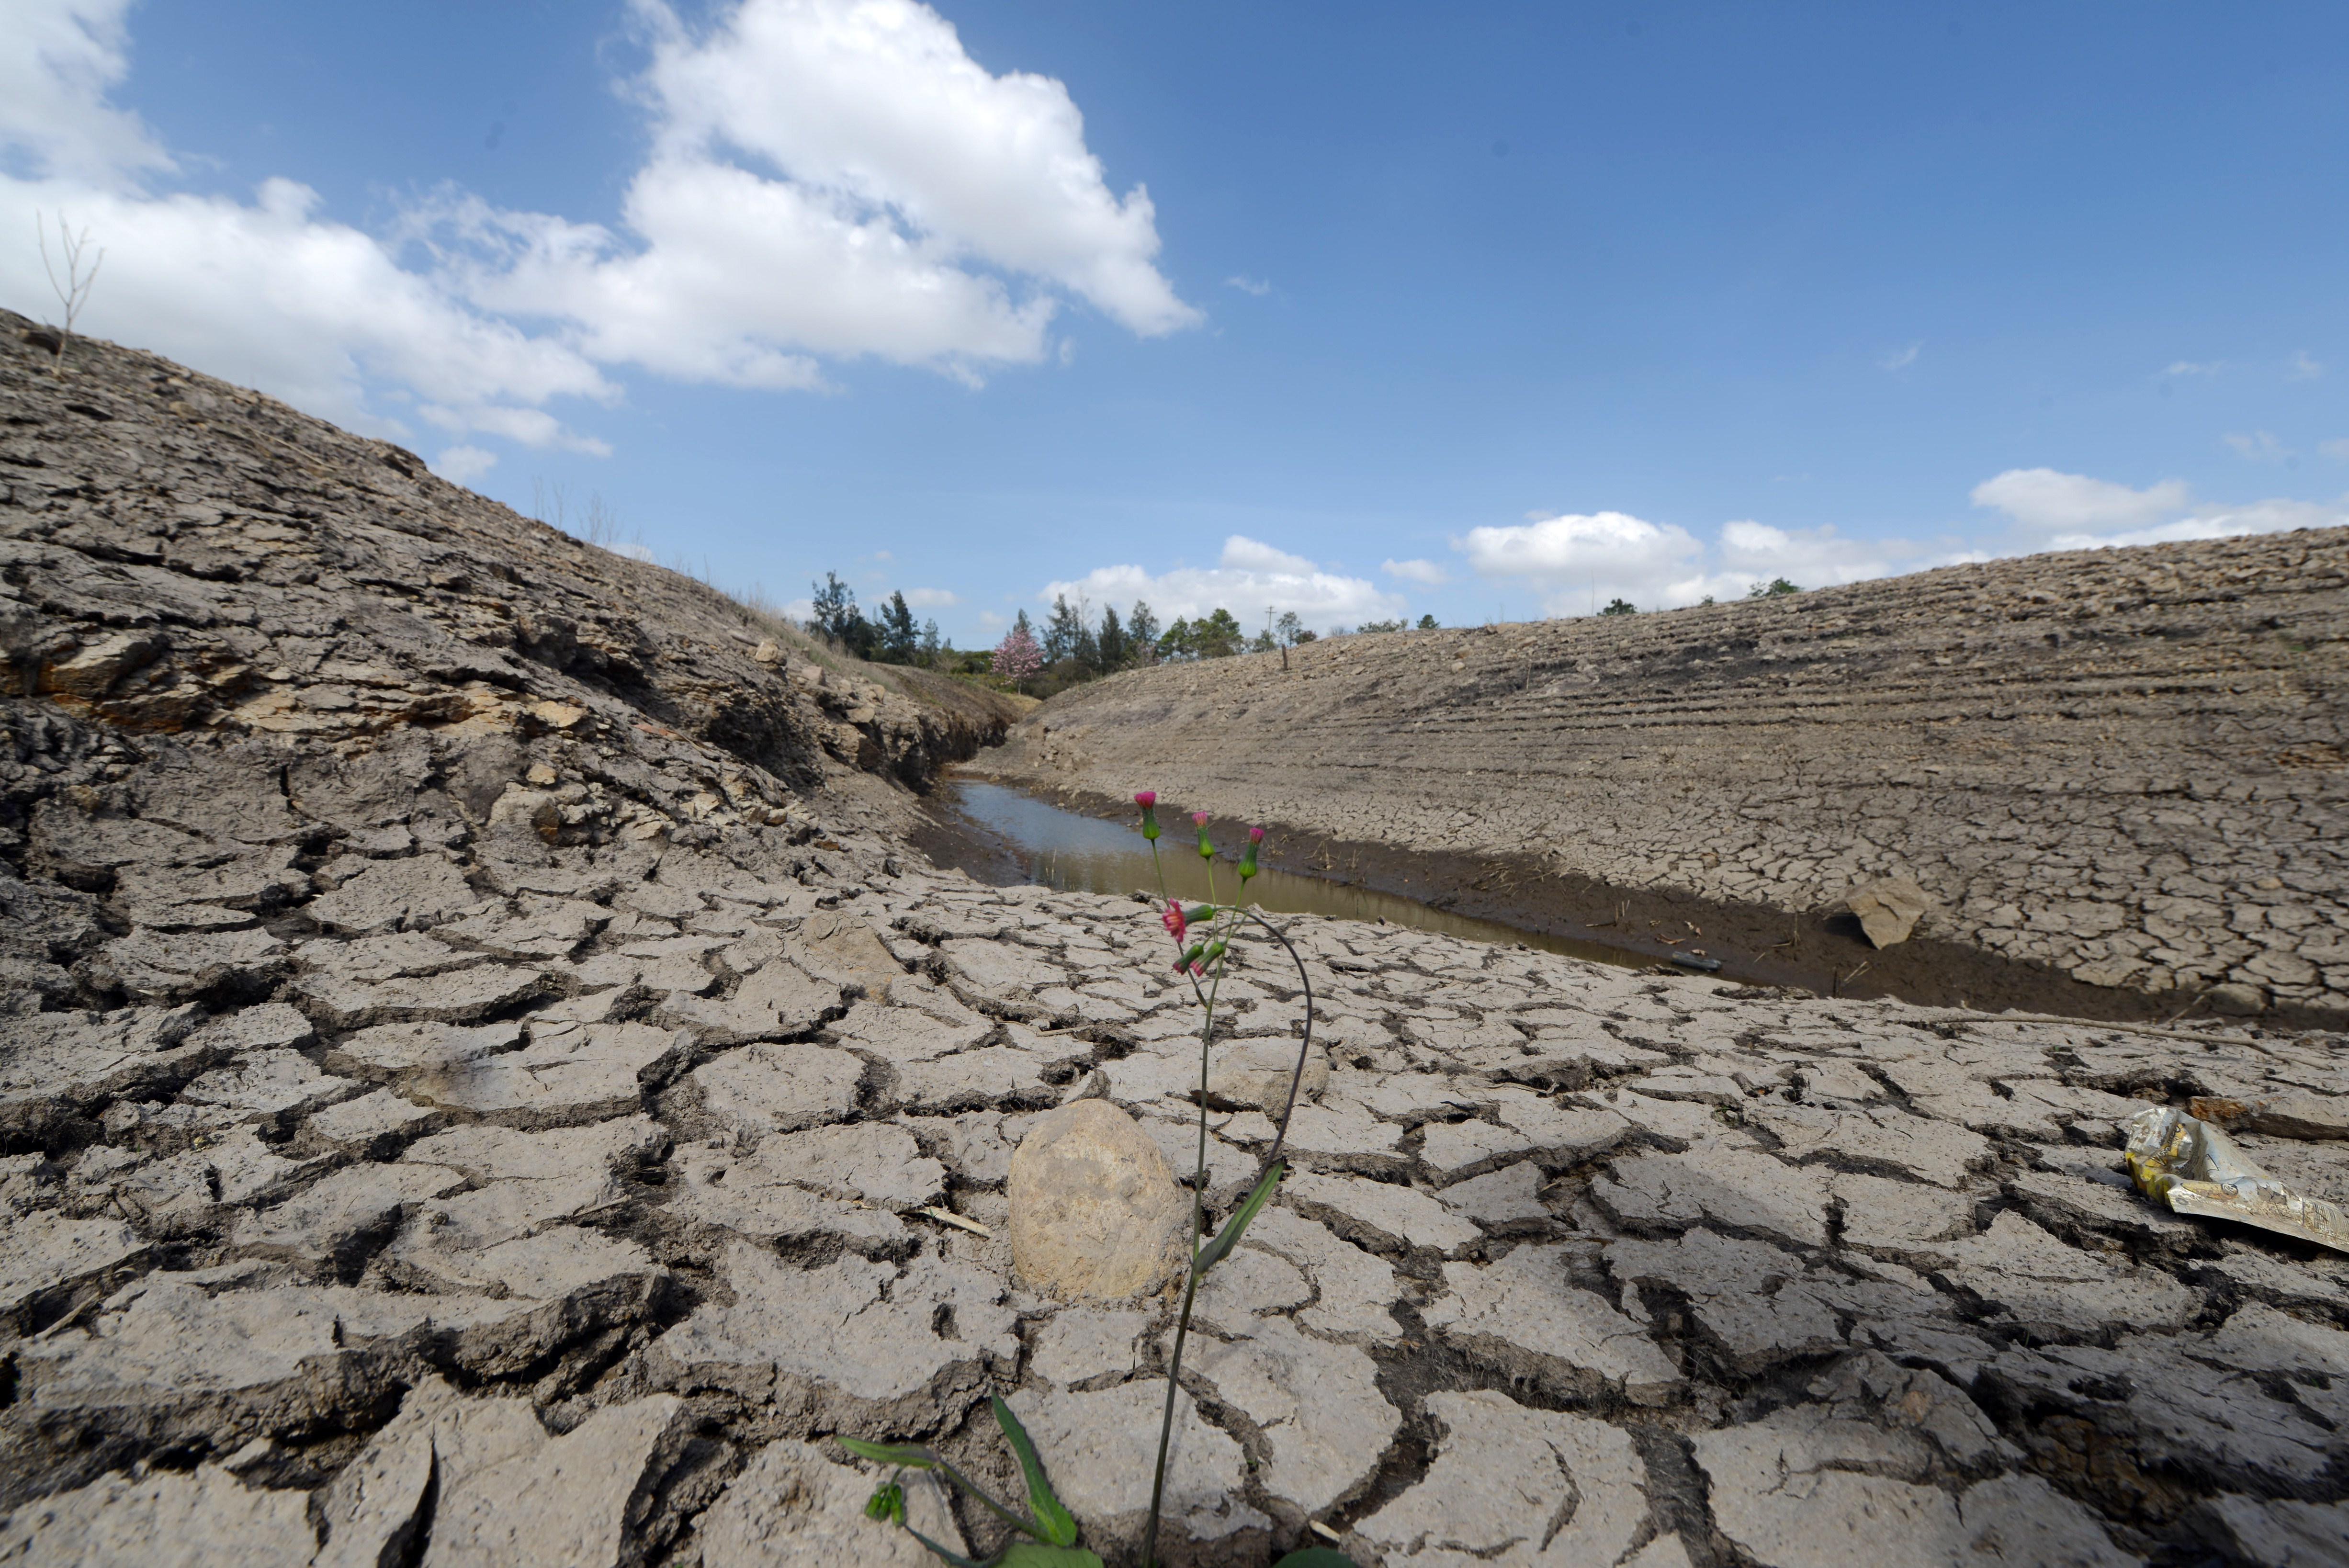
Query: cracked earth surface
499,1122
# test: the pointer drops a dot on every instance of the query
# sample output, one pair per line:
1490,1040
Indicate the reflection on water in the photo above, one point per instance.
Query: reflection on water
1088,854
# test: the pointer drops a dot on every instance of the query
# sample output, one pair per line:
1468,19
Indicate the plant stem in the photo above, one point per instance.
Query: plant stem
1191,1285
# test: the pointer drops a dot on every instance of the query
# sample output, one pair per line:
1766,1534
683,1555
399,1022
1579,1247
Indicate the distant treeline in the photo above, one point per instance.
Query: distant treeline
1069,648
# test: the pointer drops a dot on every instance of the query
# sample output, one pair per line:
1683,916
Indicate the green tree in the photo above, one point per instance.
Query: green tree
1059,640
1771,588
931,646
1142,631
1219,636
901,635
1109,645
1428,624
1381,626
1175,642
1620,607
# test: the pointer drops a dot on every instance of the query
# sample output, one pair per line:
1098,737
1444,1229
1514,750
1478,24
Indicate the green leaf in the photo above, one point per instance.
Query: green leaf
1227,1238
953,1559
913,1456
1060,1526
1028,1555
1315,1557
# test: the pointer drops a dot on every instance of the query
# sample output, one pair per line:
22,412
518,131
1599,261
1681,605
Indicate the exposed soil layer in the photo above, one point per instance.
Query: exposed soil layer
2122,767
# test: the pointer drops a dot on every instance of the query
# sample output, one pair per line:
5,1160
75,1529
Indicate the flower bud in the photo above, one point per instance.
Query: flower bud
1206,850
1148,800
1247,860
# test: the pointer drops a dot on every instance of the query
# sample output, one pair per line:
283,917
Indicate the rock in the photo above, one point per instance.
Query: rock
1095,1211
2278,1533
48,1250
2235,999
1888,909
796,1506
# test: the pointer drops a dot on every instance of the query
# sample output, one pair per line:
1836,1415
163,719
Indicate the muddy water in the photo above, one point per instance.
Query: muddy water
1033,840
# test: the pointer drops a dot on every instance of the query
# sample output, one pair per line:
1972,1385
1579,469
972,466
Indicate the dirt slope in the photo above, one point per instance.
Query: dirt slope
2129,766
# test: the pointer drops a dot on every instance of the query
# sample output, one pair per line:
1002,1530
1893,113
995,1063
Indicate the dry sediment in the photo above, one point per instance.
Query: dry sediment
396,1173
2125,767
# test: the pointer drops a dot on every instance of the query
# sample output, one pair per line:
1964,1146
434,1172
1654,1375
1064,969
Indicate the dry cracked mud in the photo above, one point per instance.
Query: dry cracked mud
2120,774
473,1094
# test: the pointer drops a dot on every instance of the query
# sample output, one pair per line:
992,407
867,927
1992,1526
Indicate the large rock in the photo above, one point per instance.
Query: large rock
1888,909
1096,1214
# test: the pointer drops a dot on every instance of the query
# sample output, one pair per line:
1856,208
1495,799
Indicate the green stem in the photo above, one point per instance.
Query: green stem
1191,1285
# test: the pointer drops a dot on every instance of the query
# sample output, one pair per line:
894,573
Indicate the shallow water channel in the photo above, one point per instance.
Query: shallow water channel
1076,853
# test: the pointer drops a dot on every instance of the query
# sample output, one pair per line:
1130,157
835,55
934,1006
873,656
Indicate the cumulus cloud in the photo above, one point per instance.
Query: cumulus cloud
1423,572
1902,359
1250,579
1248,285
2339,448
2304,368
824,180
1575,561
2045,500
2191,367
932,598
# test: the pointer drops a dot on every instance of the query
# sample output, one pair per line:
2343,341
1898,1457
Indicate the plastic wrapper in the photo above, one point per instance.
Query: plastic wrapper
2196,1168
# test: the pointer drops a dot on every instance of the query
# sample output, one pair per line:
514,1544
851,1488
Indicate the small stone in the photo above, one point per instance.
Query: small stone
1096,1214
1888,909
1257,1073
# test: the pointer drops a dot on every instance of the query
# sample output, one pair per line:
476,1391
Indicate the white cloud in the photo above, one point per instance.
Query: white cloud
2304,368
2189,367
2045,501
464,464
1902,359
824,178
1250,579
1425,572
2260,447
1577,561
1248,285
932,598
2339,448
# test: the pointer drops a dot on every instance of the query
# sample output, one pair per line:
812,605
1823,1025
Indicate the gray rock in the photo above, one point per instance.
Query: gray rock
46,1251
1095,1213
2280,1532
1257,1074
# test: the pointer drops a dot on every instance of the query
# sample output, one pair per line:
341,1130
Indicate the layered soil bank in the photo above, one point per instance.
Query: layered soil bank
2118,771
484,1078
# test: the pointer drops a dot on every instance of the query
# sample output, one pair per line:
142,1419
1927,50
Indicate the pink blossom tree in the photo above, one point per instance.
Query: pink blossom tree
1017,657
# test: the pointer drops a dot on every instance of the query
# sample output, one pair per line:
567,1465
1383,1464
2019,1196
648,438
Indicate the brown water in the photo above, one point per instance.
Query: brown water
1078,853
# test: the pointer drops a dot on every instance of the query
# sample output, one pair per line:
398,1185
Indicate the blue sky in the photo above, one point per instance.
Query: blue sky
1487,310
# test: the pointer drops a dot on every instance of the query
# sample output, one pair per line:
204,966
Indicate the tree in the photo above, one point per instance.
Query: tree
1018,657
1109,645
1142,631
1620,607
1061,633
74,292
1263,641
930,643
835,607
1174,642
1428,624
900,637
1381,627
1771,588
1219,636
1288,631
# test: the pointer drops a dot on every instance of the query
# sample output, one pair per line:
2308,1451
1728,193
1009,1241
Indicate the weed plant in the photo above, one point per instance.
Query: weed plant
1202,936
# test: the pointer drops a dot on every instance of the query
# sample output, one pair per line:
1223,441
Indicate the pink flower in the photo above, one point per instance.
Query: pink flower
1199,970
1255,835
1145,797
1173,920
1198,819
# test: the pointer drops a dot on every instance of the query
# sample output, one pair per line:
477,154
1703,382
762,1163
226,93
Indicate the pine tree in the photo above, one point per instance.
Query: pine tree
1109,644
1059,638
1142,631
899,633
